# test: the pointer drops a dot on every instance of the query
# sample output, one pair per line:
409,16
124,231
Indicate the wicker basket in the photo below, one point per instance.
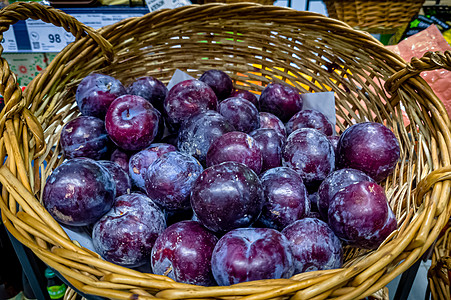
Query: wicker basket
384,16
256,45
439,273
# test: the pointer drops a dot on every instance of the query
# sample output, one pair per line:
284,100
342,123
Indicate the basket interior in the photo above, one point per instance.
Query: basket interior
254,50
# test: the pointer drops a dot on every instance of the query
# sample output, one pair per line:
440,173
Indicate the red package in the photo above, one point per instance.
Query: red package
416,45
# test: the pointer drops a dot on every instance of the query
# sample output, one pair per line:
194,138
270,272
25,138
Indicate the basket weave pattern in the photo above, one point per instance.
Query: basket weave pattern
255,45
372,15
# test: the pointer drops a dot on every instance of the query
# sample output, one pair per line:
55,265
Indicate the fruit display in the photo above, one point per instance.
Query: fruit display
250,187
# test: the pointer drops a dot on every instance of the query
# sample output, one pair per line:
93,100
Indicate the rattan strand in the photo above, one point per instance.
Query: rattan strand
255,45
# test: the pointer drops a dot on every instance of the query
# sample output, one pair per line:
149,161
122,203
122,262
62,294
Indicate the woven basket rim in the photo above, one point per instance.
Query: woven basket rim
33,220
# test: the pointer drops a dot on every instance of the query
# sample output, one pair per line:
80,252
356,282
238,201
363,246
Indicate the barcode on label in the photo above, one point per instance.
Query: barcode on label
36,45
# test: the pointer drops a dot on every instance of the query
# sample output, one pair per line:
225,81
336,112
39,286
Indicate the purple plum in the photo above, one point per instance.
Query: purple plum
151,89
246,95
241,113
285,198
120,177
311,119
281,100
96,92
334,182
140,162
121,157
227,196
198,132
127,233
314,245
369,147
268,120
132,122
235,146
219,82
309,152
85,136
271,145
183,252
333,139
360,216
186,99
170,178
79,192
247,254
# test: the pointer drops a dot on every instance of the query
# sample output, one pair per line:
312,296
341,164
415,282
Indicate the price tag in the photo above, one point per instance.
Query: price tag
46,37
154,5
9,40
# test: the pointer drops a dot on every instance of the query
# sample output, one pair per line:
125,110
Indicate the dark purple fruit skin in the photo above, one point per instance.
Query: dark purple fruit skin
120,157
235,146
140,162
127,233
132,122
311,119
183,252
358,214
198,132
186,99
281,100
151,89
241,113
314,246
227,196
219,82
333,139
246,95
309,152
271,145
247,254
170,178
369,147
268,120
96,92
79,192
120,177
285,198
334,182
85,136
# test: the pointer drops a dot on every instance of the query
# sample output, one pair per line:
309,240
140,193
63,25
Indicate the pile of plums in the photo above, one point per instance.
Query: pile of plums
214,185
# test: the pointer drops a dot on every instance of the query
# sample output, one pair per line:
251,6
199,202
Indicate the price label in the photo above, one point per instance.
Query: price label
46,37
154,5
9,40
